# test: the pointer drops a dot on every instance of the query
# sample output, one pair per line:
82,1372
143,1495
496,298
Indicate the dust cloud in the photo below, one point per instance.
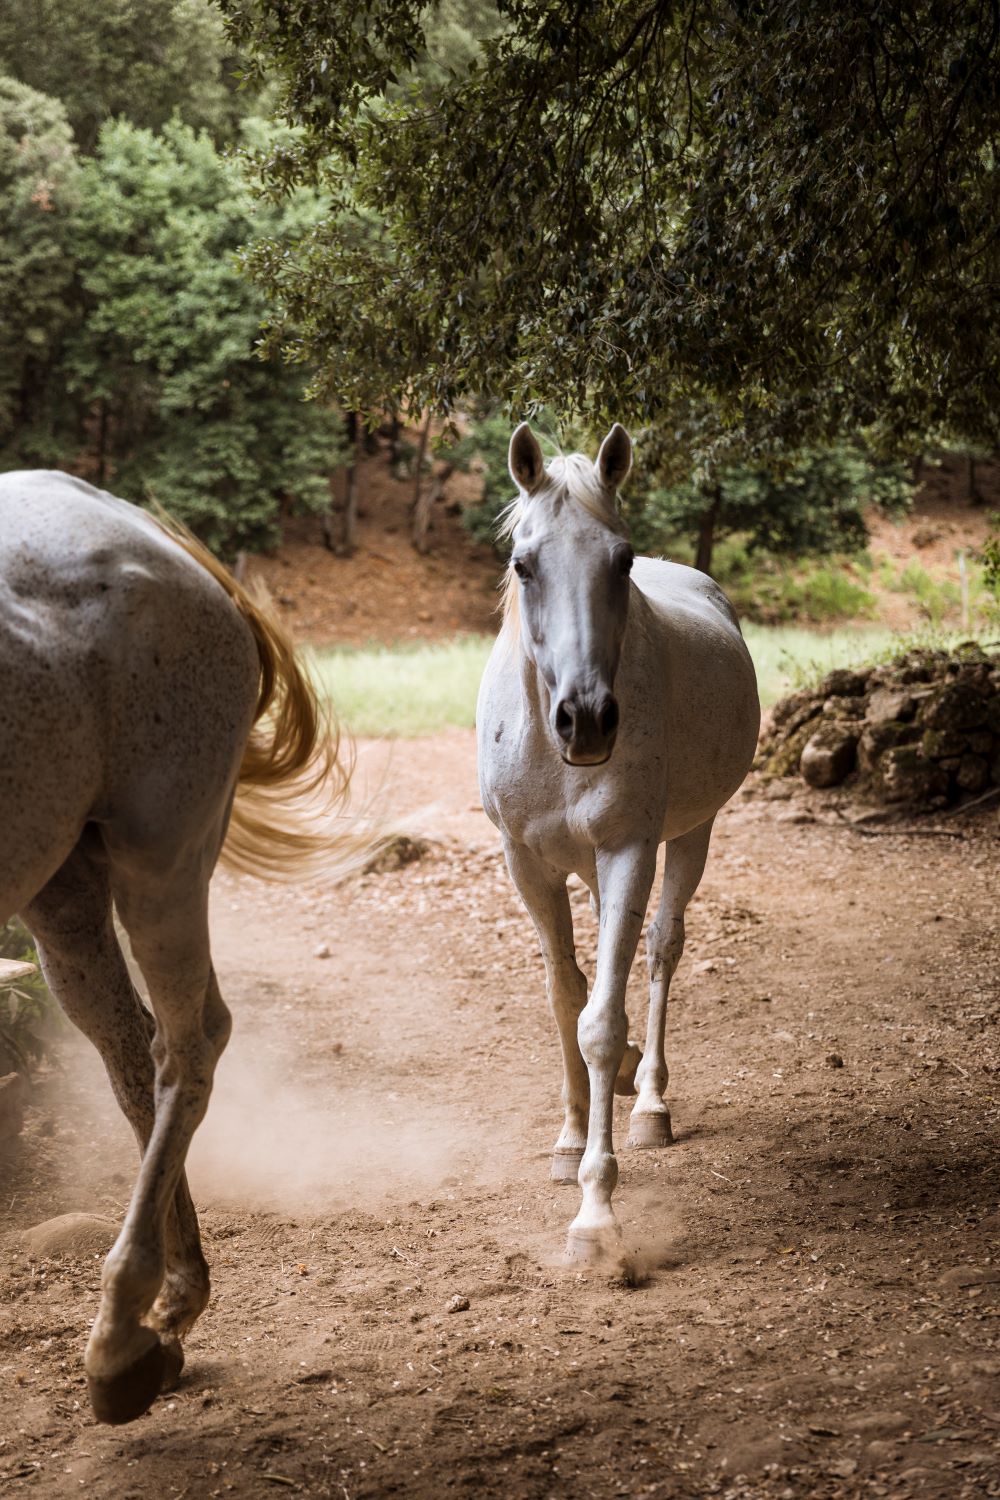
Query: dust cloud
271,1140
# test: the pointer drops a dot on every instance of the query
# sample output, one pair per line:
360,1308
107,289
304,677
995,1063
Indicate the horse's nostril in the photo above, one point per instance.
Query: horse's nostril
565,720
609,717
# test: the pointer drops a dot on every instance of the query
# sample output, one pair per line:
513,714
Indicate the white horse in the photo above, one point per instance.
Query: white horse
618,711
132,672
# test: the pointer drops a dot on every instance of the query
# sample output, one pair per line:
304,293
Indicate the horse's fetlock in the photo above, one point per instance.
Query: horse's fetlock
599,1173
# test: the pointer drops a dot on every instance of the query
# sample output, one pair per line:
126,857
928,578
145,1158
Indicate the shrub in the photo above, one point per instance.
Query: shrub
27,1009
163,362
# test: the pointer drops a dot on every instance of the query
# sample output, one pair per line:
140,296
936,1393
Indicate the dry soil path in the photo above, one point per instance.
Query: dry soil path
809,1303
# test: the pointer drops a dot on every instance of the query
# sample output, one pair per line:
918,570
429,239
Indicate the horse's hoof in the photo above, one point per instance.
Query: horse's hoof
125,1396
593,1247
625,1081
650,1129
173,1364
566,1164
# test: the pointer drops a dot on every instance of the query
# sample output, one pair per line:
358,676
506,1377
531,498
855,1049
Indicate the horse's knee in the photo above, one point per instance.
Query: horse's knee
602,1035
568,995
664,946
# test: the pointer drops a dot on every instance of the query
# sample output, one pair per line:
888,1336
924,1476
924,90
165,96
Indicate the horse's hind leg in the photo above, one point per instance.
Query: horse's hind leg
164,907
85,969
683,868
543,891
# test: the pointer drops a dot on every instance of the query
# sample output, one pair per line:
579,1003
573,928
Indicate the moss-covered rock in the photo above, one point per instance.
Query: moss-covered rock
783,759
840,707
923,728
957,705
842,682
937,744
905,776
830,753
876,739
973,774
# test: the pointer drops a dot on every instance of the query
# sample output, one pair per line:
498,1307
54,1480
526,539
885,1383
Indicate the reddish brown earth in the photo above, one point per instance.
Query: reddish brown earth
809,1299
386,593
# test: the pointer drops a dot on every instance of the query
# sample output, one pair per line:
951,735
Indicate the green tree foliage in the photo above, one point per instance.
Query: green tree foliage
767,223
39,184
142,60
28,1013
162,361
815,505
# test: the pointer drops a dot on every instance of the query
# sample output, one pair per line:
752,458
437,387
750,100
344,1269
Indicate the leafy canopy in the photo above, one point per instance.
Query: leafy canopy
757,224
141,59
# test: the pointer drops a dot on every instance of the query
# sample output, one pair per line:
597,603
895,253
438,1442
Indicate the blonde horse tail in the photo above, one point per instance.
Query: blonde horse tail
290,814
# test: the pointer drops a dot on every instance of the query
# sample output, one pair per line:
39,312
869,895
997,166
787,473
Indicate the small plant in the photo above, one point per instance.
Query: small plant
26,1007
766,589
990,559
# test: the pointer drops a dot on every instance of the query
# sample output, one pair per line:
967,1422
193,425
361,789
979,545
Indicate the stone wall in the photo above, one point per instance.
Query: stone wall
923,729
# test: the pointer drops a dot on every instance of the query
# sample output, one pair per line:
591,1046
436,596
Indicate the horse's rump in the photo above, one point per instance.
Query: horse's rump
294,783
155,668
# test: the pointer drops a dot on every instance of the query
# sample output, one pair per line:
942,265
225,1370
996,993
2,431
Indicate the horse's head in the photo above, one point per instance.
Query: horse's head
572,559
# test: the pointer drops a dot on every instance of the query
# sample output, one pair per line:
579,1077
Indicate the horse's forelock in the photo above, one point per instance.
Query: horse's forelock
576,475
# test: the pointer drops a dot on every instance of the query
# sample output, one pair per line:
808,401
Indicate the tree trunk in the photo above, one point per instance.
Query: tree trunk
422,500
340,538
706,531
974,497
395,428
102,442
433,493
351,502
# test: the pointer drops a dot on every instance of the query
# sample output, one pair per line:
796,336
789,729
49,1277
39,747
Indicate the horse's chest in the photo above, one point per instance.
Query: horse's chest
562,814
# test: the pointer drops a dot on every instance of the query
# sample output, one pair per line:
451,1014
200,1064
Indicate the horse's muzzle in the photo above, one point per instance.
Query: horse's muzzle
586,730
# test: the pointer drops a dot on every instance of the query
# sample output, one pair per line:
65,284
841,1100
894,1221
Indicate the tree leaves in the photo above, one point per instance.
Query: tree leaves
781,210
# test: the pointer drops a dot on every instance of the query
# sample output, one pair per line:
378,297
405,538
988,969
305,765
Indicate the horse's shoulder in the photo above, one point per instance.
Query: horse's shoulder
675,591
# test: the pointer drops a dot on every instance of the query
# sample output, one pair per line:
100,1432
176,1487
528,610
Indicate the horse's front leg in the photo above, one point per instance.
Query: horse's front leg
682,871
543,891
625,878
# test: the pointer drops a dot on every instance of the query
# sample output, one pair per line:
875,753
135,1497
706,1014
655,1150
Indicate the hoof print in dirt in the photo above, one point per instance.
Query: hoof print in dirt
920,731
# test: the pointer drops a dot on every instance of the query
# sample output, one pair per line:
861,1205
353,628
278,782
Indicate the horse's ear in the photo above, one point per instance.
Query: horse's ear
615,458
525,461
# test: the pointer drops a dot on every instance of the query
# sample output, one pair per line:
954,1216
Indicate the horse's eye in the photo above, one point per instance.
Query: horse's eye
624,561
521,569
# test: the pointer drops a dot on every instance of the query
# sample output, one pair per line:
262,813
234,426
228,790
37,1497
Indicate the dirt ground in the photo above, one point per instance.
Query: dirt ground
808,1303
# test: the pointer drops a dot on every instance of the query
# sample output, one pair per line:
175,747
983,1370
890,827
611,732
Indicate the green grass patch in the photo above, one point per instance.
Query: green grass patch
786,656
772,592
407,691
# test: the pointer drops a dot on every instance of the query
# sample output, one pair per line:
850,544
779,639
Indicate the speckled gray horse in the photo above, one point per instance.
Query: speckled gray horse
132,672
618,711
